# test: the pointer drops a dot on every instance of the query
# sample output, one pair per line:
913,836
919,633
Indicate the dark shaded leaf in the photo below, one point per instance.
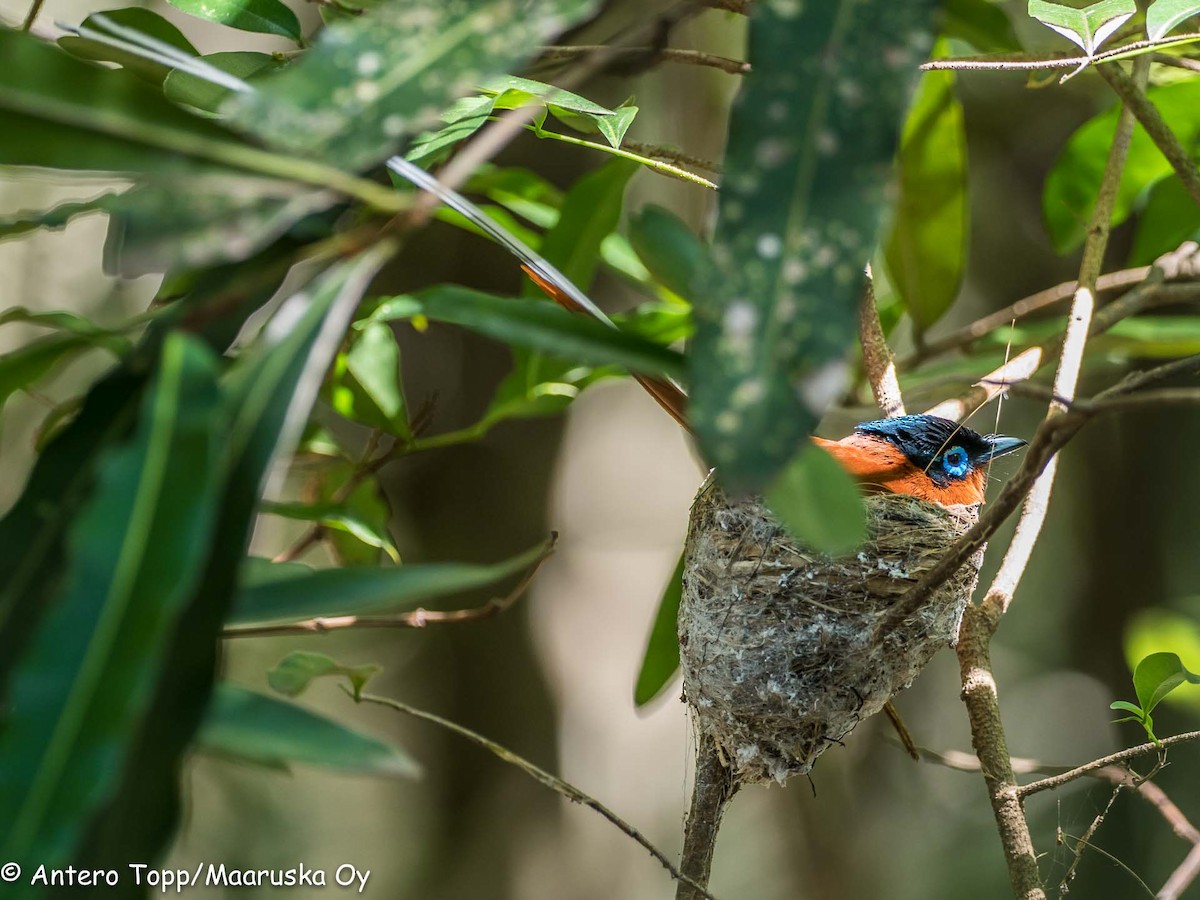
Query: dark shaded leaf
292,597
811,142
819,503
134,555
1169,218
250,726
295,672
260,16
25,366
981,23
58,217
137,19
675,256
661,660
192,90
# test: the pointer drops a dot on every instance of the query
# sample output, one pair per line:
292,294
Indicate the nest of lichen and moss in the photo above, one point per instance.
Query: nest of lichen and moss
781,647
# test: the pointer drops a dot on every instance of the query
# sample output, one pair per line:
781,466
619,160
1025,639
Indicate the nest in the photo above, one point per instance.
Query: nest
779,645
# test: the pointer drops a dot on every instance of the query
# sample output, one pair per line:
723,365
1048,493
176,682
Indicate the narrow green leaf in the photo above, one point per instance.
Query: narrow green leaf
1164,15
1088,27
675,256
361,591
514,92
137,19
134,555
250,726
371,81
1169,218
260,16
538,325
463,119
295,672
339,517
819,503
811,142
1070,190
192,90
58,217
1127,707
368,505
1157,675
927,249
661,660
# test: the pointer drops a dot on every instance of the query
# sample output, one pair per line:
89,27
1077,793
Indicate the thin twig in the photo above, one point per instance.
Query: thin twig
741,7
556,784
677,157
1057,781
31,16
1084,842
1179,62
1017,62
877,356
652,54
417,618
1132,95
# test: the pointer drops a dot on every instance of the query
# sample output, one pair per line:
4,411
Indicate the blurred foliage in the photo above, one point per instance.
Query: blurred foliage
267,377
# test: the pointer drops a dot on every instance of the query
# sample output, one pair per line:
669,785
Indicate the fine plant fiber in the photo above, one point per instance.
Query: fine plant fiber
778,648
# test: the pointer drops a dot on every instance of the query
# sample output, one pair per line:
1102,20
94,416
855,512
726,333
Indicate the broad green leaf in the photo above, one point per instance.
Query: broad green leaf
1126,706
1070,191
927,248
57,217
463,119
1088,27
365,383
134,555
260,16
339,517
1169,218
295,672
537,325
661,660
1154,630
192,90
1164,15
371,81
269,394
254,727
1157,675
981,23
137,19
513,92
367,504
819,503
158,226
812,137
674,255
362,591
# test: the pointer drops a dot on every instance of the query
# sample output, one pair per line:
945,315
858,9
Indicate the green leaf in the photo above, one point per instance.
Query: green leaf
661,660
513,92
135,553
365,384
259,16
819,503
927,249
812,137
1070,190
340,518
1155,629
192,90
58,217
1126,706
537,325
368,505
1169,218
981,23
250,726
289,597
1088,27
295,672
674,255
137,19
157,226
373,80
1164,15
1157,675
463,119
21,369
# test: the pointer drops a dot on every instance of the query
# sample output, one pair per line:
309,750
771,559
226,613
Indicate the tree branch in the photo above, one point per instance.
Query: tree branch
877,356
1057,781
653,54
556,784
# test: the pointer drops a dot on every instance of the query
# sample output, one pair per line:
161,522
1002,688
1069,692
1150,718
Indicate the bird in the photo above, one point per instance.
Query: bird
927,457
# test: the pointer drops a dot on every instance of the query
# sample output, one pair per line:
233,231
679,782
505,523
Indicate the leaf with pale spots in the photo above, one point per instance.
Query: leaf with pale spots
811,142
372,81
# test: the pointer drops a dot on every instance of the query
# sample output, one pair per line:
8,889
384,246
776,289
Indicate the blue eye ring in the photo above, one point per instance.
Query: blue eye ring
956,462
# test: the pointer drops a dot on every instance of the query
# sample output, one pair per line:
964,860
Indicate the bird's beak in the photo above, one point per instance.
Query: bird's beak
1001,446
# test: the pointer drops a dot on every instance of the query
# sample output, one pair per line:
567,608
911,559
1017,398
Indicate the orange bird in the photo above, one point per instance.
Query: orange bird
928,457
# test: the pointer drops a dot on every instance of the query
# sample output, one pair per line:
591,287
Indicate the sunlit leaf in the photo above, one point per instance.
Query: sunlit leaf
138,19
1155,630
1164,15
1157,675
661,659
811,142
927,248
261,16
254,727
340,517
1088,27
365,383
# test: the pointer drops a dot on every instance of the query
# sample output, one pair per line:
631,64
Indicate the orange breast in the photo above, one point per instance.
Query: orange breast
879,465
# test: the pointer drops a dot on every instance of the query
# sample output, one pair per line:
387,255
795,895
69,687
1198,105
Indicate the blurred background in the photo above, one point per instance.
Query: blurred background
553,678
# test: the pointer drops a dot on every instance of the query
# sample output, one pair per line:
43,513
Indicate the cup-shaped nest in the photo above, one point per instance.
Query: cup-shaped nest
781,647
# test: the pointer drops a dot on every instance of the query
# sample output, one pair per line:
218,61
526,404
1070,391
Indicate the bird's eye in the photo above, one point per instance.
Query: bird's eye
956,462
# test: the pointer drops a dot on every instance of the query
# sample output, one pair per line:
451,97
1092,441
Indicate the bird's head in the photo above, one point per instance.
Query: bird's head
946,452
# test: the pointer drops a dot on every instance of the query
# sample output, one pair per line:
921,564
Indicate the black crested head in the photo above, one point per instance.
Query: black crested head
944,449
